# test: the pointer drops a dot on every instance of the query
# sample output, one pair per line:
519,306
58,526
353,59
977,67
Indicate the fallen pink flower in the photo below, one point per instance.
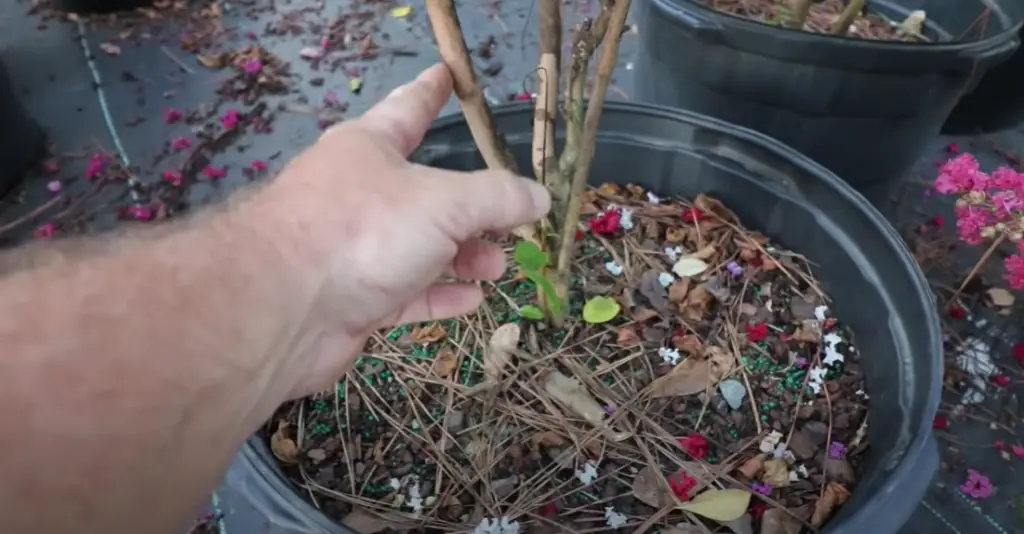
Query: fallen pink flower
977,485
251,36
214,173
171,115
97,164
258,165
141,213
45,231
174,178
253,66
180,143
54,186
230,119
51,166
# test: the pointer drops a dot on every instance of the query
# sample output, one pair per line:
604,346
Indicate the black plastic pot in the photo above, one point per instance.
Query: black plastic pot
866,110
22,141
997,102
101,6
877,288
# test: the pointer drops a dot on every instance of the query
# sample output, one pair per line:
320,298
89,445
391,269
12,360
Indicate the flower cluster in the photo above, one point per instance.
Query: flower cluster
988,206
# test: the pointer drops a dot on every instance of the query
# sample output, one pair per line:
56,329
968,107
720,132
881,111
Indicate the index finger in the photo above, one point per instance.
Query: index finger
403,117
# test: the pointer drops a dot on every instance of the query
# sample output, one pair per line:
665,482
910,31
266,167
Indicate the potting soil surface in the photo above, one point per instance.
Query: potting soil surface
133,87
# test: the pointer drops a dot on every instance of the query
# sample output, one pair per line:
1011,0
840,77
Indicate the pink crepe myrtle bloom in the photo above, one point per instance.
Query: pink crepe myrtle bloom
214,173
171,115
230,119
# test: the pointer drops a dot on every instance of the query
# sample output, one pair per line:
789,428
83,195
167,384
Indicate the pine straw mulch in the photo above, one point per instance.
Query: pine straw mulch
820,18
497,424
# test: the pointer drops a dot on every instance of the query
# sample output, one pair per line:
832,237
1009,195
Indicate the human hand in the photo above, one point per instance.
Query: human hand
382,231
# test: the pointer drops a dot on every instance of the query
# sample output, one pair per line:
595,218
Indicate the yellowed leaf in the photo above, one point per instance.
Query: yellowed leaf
776,473
213,62
283,447
689,377
689,343
401,12
428,334
573,395
503,344
689,266
445,362
1000,297
720,505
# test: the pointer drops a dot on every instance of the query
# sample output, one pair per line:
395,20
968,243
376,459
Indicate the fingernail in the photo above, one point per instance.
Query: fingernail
541,198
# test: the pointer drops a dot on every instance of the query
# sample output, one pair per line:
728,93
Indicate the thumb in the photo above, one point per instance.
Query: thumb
403,117
468,204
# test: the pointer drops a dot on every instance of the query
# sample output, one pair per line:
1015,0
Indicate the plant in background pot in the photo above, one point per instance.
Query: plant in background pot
860,88
649,360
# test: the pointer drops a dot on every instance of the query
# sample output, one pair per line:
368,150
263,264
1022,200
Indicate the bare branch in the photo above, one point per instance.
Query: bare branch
798,16
545,162
602,78
846,18
452,46
587,37
448,33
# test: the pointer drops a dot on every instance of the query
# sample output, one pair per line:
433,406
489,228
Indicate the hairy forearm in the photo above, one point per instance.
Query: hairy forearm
131,374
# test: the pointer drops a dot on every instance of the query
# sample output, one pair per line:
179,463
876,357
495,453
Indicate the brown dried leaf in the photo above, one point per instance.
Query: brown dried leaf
589,208
365,522
649,285
659,210
503,344
608,189
650,489
780,521
689,343
627,337
642,315
317,455
675,235
699,299
283,447
652,230
709,205
999,297
548,438
752,467
214,62
808,332
689,377
776,473
445,362
835,495
378,452
704,253
573,395
428,334
678,290
634,191
721,362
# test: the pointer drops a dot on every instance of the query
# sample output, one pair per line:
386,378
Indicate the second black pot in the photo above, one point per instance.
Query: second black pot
866,110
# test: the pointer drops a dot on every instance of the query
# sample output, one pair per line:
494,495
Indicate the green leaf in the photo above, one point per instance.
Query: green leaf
721,505
530,257
600,310
531,312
